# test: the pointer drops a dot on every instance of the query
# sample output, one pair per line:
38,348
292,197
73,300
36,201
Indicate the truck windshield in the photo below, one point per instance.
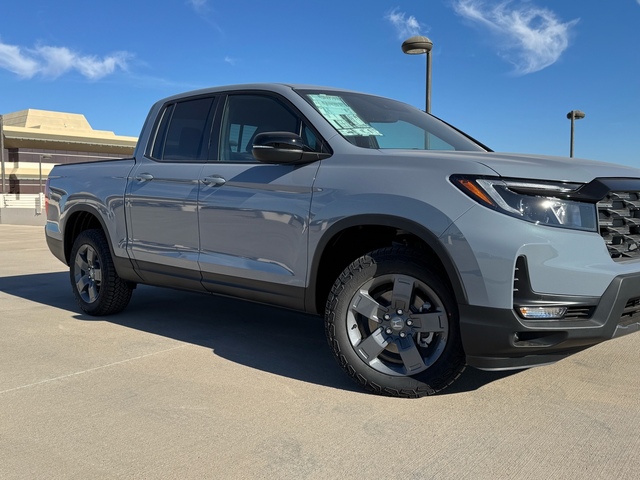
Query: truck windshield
377,122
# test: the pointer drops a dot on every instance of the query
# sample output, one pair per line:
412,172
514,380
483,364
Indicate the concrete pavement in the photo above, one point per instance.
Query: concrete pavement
187,386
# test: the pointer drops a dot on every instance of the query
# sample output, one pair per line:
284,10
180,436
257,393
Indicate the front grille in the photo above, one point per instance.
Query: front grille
619,220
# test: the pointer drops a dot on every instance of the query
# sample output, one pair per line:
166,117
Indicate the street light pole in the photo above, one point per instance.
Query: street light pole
574,115
4,189
428,86
418,45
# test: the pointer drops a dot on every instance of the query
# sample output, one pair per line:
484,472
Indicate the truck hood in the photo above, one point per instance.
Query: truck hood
542,167
525,166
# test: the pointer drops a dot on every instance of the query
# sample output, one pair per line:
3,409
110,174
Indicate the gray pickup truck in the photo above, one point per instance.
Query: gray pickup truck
424,250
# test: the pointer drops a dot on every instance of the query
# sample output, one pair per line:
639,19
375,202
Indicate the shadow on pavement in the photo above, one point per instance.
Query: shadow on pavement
270,339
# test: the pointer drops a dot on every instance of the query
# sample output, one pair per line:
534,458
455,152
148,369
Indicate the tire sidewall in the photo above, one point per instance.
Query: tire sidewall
378,263
113,294
88,239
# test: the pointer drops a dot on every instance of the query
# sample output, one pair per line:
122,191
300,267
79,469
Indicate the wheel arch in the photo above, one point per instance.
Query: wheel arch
79,219
83,217
354,236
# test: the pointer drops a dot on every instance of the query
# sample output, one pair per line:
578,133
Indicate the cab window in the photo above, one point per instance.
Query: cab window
183,132
247,115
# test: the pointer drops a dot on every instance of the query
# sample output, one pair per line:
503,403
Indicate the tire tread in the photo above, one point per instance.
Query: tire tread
436,384
115,293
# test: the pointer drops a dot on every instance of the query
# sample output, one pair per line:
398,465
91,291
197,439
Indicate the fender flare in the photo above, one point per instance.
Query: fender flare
423,233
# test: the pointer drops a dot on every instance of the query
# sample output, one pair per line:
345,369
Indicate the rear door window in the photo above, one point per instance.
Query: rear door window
184,131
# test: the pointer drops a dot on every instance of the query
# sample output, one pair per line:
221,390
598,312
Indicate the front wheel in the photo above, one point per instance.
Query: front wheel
392,324
96,285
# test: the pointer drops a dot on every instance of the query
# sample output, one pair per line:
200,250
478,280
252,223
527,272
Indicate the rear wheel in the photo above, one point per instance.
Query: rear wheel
96,285
393,324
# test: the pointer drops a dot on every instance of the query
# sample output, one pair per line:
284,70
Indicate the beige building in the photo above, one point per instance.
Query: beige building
35,140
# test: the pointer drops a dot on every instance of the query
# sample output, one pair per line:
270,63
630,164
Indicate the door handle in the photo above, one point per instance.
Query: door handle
214,181
144,177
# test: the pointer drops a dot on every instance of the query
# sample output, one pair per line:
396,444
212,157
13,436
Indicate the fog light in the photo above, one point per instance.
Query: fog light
543,313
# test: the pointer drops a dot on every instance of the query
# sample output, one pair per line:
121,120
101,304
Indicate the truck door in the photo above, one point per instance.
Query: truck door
254,217
162,195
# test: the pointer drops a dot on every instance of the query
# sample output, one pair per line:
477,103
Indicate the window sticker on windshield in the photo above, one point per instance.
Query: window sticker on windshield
342,116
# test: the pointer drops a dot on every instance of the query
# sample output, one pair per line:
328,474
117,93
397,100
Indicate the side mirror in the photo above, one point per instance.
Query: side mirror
282,148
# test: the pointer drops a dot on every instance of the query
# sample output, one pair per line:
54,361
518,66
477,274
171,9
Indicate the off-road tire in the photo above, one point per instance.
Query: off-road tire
96,286
392,324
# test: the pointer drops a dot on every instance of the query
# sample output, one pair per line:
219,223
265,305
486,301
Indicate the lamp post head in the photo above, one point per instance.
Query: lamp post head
575,114
417,45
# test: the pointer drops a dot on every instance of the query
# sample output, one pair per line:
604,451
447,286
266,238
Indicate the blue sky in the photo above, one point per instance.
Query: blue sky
506,72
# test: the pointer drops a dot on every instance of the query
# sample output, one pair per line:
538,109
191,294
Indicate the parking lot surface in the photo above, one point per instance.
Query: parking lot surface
185,385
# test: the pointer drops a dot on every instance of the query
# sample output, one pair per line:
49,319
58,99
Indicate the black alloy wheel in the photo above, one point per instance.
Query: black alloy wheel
96,285
393,324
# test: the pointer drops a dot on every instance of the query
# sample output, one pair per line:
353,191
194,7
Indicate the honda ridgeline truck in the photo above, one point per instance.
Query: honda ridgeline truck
424,250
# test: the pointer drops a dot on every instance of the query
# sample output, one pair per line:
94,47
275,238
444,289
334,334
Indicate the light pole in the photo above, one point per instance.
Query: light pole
574,115
418,45
2,172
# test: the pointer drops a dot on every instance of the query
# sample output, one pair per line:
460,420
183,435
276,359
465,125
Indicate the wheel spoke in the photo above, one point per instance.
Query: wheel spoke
402,292
92,291
88,274
413,361
366,306
81,282
429,322
81,263
373,345
91,256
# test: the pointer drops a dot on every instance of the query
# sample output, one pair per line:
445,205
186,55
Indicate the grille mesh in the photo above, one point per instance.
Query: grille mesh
619,220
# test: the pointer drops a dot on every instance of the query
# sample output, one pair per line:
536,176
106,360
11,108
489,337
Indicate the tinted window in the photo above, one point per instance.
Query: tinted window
161,133
183,131
245,116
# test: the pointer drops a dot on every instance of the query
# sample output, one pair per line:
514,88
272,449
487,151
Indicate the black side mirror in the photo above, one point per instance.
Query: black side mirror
282,147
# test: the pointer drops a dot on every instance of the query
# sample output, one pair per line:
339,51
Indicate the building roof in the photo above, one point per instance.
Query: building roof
49,130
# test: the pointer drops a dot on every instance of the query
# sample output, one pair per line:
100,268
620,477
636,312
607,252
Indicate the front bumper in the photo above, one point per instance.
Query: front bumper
498,339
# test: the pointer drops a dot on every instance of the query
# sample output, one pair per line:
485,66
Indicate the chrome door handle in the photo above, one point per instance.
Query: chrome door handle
214,180
144,177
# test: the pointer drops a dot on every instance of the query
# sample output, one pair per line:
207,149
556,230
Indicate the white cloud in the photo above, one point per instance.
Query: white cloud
52,62
199,6
533,37
234,61
406,26
206,13
12,59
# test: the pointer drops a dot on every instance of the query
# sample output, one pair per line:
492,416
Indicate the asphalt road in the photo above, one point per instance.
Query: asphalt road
187,386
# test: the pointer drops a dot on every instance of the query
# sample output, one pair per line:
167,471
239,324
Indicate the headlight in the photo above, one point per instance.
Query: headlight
537,202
